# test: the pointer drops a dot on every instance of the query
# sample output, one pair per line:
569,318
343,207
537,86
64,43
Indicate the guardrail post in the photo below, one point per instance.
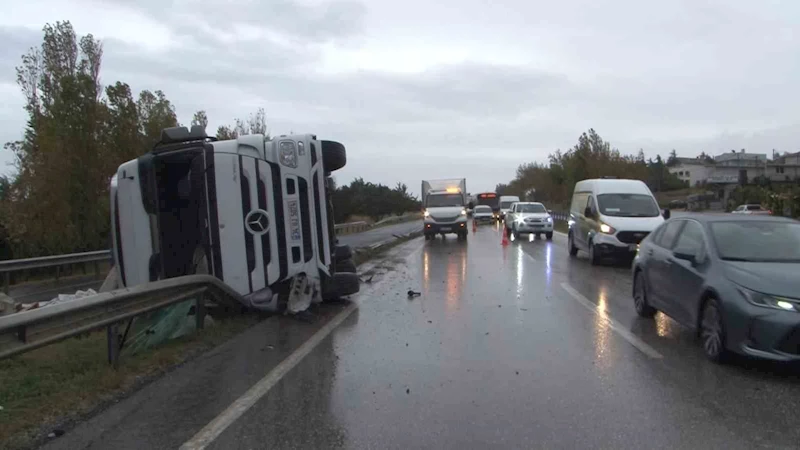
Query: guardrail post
58,272
96,269
6,282
112,336
200,311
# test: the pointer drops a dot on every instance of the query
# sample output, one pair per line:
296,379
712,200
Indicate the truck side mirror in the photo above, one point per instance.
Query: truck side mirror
587,212
667,214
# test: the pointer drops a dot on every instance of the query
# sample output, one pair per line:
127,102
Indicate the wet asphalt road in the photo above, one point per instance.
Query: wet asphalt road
37,292
497,352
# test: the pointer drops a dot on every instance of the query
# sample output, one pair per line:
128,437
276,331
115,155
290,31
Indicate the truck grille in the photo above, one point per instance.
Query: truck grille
534,220
632,237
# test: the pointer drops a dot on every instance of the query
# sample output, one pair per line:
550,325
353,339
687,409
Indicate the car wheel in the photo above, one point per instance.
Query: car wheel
515,233
594,258
508,232
549,236
712,331
643,308
573,251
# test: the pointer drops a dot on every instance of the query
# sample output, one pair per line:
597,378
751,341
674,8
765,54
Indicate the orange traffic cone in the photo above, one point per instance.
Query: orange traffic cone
504,242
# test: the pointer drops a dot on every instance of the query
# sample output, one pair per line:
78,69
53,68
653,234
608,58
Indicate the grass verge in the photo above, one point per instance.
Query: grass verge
561,226
52,387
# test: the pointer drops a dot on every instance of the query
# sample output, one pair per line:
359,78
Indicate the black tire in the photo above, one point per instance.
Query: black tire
594,258
515,233
549,236
340,285
342,252
643,308
334,156
712,332
508,232
346,266
573,251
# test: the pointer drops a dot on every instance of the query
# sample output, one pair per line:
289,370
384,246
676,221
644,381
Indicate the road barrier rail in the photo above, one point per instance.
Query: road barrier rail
29,330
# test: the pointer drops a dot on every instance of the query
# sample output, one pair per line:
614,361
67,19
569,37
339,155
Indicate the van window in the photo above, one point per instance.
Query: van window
628,205
507,204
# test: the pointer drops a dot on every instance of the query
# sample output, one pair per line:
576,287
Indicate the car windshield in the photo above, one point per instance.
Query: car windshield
483,209
627,205
534,208
757,241
440,200
754,207
506,205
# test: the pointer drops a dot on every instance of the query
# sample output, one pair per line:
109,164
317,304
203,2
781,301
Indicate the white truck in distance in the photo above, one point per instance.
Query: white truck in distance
445,203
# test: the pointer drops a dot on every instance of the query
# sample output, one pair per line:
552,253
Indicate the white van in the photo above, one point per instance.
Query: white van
609,217
255,213
505,204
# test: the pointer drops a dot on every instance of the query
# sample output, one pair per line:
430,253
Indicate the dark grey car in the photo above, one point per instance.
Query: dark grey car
735,279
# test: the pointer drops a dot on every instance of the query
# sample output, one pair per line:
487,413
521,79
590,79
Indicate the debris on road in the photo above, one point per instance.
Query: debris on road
412,294
62,298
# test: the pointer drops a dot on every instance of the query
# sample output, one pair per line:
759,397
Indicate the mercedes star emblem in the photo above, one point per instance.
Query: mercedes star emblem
257,221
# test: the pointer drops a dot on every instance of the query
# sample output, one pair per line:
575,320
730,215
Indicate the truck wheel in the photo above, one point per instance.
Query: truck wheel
334,156
340,285
346,266
549,236
342,252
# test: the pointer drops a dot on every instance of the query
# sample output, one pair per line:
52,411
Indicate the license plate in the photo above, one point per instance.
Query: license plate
294,220
444,229
632,247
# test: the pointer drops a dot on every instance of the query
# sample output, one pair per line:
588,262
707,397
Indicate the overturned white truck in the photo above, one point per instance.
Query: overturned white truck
254,212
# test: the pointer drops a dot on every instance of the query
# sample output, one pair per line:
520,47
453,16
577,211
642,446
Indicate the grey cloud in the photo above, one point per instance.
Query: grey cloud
331,21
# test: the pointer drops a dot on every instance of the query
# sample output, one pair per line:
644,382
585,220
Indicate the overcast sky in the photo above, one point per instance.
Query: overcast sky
453,88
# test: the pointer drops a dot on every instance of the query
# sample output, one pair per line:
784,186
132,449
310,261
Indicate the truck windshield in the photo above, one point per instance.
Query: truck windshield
440,200
627,205
506,205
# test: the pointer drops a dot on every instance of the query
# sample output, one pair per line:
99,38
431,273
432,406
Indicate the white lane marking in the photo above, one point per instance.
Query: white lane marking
211,431
613,324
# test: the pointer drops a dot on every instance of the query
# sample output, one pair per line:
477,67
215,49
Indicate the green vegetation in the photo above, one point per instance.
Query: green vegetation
373,201
591,157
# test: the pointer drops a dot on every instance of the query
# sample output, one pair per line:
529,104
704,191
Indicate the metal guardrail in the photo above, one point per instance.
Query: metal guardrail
349,228
29,330
15,265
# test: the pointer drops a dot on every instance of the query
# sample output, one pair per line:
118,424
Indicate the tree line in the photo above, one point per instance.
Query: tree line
591,157
78,132
369,200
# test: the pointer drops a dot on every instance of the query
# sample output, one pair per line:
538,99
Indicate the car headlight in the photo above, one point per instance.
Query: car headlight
463,212
769,301
426,213
288,154
607,229
549,219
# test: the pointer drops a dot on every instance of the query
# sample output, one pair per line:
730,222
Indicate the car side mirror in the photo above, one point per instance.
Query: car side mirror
685,256
667,214
549,211
587,212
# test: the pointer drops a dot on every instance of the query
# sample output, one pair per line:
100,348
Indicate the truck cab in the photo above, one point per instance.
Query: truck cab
445,203
253,212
